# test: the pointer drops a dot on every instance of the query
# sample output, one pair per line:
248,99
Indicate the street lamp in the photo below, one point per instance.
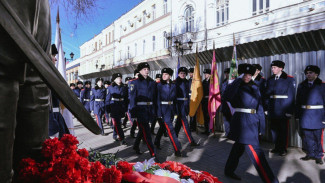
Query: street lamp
71,56
180,48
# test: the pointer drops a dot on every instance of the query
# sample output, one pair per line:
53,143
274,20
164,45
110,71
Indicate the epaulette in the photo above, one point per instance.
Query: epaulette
157,81
82,89
133,79
290,76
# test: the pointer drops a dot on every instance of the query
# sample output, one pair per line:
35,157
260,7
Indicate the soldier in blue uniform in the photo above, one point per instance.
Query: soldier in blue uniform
153,123
106,115
280,105
142,98
192,119
182,105
260,81
57,126
116,102
166,109
205,99
246,124
134,123
97,98
78,89
310,103
107,84
126,116
224,105
85,96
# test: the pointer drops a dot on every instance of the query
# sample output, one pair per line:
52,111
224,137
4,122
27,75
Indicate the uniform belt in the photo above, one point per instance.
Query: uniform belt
279,96
99,100
118,99
312,106
250,111
78,98
87,100
144,103
167,102
56,109
190,94
182,99
206,96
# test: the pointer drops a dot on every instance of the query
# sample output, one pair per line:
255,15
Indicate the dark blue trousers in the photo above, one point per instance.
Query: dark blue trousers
314,142
117,125
168,125
182,121
144,132
257,157
280,131
99,121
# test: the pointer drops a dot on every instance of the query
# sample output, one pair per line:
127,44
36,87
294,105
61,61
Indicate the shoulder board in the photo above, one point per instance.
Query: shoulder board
290,76
157,81
133,79
82,89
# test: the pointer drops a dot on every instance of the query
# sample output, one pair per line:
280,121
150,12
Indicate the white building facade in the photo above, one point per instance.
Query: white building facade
264,30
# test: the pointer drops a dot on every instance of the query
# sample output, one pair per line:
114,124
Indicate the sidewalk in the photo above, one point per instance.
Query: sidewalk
210,156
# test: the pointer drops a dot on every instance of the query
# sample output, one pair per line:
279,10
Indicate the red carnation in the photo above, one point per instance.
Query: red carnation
215,179
29,171
124,166
96,172
112,175
83,153
52,148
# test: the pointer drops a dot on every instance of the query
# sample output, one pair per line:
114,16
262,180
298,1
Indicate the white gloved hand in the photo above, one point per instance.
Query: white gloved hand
288,115
323,122
241,76
230,81
265,112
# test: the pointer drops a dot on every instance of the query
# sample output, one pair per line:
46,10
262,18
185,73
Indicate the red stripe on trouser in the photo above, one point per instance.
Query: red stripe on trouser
287,137
257,159
189,139
106,118
97,119
145,139
322,141
131,122
171,137
114,123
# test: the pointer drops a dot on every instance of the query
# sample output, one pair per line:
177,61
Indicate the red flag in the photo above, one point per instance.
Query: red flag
214,93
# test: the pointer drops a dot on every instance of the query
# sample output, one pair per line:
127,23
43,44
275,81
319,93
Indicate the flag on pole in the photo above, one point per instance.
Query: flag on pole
233,67
214,93
197,93
60,65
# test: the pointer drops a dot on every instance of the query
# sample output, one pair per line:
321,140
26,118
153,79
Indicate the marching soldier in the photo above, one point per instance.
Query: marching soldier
107,84
116,100
225,109
106,115
85,96
142,97
260,81
57,126
246,124
182,90
310,103
192,119
126,116
166,109
134,123
280,104
97,98
78,89
153,123
205,100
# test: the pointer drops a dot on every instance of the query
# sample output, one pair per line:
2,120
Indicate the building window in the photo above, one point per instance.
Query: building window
135,49
260,6
144,17
222,12
109,38
120,55
129,55
189,19
106,39
165,7
144,46
153,43
165,40
153,12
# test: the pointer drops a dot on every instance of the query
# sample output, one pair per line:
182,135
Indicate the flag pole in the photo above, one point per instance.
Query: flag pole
196,56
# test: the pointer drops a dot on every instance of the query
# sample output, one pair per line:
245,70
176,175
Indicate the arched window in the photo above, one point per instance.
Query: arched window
260,6
153,43
189,19
222,12
144,46
165,40
165,7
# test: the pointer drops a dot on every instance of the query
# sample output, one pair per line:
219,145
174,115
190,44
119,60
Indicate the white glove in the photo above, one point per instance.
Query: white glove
288,115
323,122
241,76
230,81
265,112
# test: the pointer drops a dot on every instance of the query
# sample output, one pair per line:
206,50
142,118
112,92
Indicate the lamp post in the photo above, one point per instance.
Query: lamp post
180,46
71,56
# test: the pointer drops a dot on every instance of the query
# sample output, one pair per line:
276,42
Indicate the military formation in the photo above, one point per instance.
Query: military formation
247,102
